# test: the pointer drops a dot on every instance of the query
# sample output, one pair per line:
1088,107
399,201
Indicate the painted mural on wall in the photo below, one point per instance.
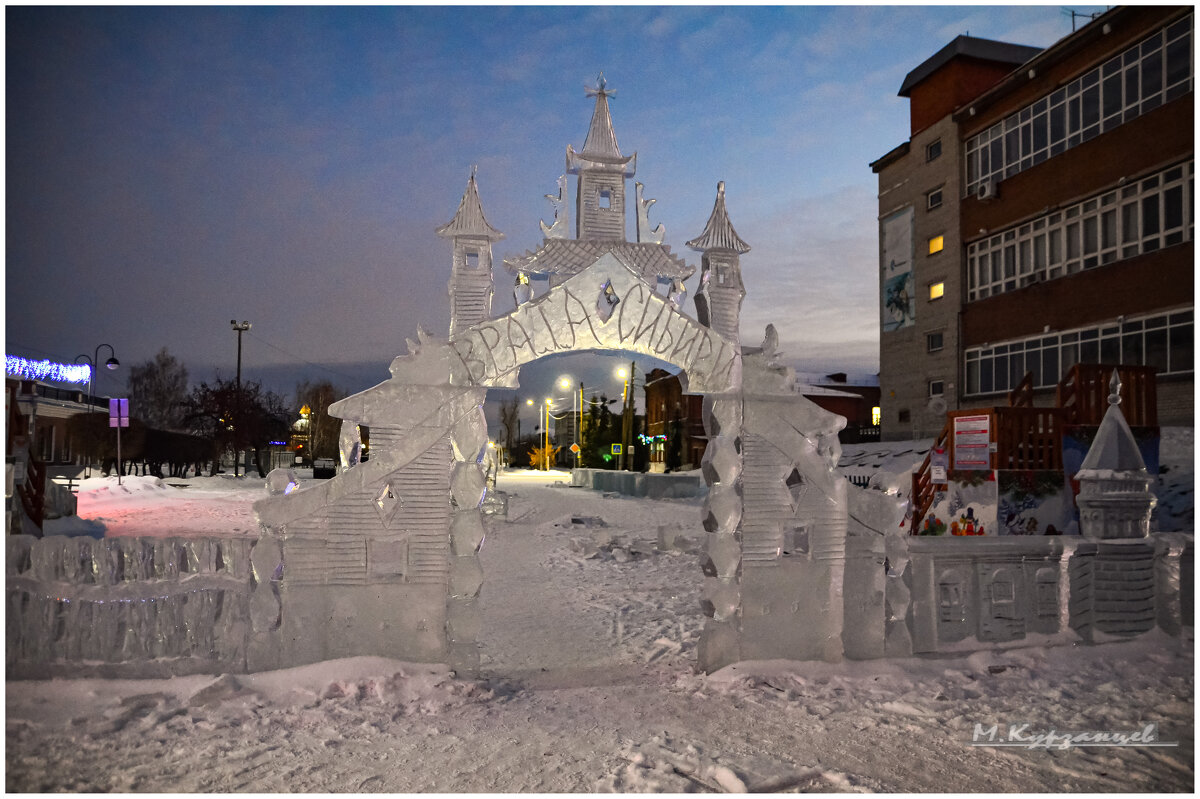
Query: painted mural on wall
899,290
966,508
1034,502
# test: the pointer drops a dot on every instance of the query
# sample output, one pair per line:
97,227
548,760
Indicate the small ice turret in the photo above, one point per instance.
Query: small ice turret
471,273
719,300
602,170
1115,500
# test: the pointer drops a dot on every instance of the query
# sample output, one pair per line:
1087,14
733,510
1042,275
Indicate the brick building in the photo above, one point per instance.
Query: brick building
1040,215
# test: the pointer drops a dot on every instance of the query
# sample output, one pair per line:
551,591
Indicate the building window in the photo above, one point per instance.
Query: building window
605,198
933,199
903,416
937,388
934,341
472,260
936,244
933,150
1163,341
876,416
1155,71
1142,216
937,290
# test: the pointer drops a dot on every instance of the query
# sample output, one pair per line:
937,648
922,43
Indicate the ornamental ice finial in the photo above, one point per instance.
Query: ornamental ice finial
1114,389
600,89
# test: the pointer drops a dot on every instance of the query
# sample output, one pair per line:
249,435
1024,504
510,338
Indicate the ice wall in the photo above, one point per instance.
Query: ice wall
130,607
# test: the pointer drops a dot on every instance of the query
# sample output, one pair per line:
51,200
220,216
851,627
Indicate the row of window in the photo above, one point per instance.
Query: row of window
1152,72
1138,218
1163,341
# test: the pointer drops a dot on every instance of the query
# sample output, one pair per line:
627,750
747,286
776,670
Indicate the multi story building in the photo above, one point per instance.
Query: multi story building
1040,215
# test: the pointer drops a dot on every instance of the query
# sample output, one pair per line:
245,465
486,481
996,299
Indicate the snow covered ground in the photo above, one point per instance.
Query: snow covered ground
588,684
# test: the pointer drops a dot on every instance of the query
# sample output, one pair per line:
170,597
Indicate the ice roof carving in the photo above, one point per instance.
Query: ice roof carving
1114,448
600,150
469,220
719,233
569,256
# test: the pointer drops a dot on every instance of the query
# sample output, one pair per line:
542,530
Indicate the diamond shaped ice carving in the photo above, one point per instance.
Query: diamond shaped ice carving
606,303
387,503
797,487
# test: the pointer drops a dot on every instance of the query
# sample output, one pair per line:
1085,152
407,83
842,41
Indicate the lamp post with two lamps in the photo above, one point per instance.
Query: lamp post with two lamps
111,363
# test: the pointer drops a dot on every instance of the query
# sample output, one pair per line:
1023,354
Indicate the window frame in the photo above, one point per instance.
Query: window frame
1155,70
1057,244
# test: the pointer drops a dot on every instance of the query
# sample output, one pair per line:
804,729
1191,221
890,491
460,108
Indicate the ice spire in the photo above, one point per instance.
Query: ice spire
1114,447
469,220
719,233
601,141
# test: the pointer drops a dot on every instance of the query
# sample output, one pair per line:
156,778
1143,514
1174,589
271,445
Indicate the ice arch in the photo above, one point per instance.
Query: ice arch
383,558
607,306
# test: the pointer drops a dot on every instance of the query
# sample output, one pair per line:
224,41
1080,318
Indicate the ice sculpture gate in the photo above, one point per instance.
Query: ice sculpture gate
383,558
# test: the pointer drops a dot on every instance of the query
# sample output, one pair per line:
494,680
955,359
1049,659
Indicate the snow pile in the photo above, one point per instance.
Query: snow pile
888,465
588,684
1176,481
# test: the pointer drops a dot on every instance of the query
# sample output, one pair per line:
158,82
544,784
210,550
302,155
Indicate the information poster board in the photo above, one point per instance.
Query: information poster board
972,439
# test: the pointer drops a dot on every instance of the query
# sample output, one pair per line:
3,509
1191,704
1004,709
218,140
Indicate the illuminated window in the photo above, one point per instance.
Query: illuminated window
937,290
876,416
935,245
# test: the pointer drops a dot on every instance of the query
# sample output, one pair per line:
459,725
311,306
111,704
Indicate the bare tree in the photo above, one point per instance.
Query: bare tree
158,390
323,430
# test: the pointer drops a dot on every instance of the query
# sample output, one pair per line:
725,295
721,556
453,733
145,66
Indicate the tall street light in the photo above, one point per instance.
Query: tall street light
627,409
237,419
576,415
111,363
546,435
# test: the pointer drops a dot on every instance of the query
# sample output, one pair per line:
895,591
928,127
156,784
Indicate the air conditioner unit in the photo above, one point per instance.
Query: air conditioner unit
987,190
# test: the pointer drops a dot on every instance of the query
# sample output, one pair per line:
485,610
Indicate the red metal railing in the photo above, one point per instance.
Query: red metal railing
923,487
1083,394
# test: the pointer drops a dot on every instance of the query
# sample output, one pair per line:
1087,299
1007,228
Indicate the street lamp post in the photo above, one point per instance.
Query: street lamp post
627,415
237,419
111,363
546,435
576,412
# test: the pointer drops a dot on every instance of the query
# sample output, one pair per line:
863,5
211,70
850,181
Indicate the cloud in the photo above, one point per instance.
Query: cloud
816,281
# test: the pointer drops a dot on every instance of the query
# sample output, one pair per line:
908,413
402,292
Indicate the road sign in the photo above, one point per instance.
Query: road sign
616,449
118,413
574,449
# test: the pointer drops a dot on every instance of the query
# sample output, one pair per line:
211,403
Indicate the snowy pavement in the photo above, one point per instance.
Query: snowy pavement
588,684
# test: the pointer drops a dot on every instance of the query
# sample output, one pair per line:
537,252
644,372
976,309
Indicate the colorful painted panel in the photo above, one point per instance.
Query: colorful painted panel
966,508
1033,502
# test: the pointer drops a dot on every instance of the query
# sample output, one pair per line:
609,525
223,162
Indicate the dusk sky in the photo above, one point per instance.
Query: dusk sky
170,169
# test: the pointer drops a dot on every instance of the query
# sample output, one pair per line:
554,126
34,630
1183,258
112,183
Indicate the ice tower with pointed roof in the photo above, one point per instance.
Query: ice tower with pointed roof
719,300
600,212
471,273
